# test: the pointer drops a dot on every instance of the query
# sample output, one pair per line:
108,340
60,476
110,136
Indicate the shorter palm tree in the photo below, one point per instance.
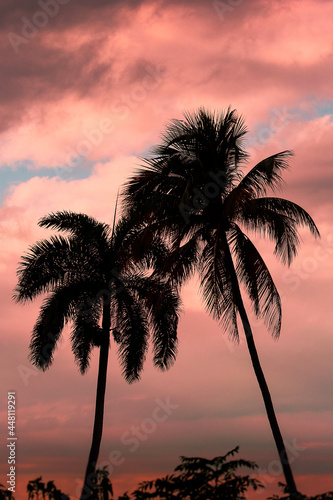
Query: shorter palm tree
54,493
5,494
98,279
35,487
103,489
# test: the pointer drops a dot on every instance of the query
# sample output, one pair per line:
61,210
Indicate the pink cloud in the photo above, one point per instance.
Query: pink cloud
99,83
61,103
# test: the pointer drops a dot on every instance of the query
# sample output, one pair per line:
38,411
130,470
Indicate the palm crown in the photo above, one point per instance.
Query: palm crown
193,187
85,269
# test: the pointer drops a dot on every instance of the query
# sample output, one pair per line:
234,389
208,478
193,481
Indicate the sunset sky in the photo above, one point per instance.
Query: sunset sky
87,87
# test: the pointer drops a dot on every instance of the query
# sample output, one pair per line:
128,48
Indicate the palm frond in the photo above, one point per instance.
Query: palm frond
138,247
132,325
253,272
216,286
163,303
77,224
263,176
42,268
289,209
56,262
86,332
56,310
151,181
180,262
279,220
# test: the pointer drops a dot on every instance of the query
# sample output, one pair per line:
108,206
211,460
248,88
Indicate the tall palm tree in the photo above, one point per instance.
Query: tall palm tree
193,189
97,279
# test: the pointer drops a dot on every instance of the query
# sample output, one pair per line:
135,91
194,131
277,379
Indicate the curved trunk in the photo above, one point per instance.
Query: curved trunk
262,381
268,402
99,408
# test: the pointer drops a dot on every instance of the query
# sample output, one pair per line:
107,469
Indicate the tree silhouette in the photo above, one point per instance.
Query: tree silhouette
30,489
54,493
50,491
193,189
299,496
202,479
35,487
97,279
103,487
5,494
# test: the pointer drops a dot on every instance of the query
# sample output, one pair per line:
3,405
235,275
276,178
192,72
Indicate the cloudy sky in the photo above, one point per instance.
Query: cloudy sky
87,87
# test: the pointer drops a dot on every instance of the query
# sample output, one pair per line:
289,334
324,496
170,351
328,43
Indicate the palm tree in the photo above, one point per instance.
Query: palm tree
103,488
97,279
54,493
5,494
36,486
193,189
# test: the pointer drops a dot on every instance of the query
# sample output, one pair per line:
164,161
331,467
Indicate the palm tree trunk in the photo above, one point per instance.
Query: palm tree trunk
99,408
262,381
267,401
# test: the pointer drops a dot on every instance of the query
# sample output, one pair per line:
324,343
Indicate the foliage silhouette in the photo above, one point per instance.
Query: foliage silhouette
202,479
48,492
103,489
299,496
5,494
193,190
97,279
35,487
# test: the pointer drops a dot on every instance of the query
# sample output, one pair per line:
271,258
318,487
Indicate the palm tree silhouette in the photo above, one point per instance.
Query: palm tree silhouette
34,487
54,493
97,279
5,494
193,189
30,490
103,489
